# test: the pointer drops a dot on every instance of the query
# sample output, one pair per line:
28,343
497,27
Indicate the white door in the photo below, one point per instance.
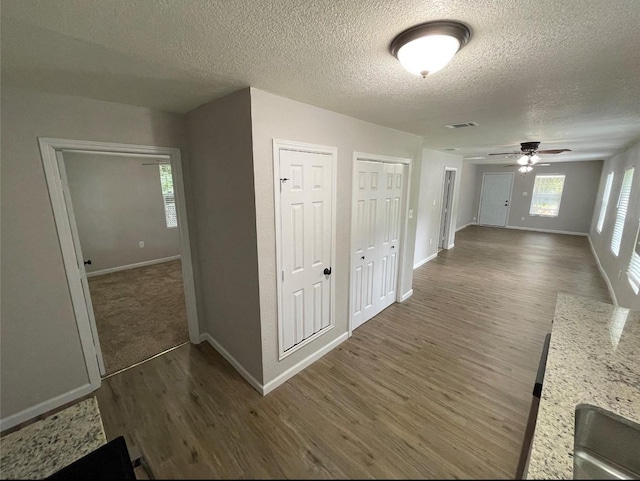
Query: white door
306,195
447,200
494,201
376,215
80,260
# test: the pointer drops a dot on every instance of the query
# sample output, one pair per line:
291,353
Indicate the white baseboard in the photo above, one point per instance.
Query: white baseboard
233,361
406,295
423,262
466,225
612,293
132,266
550,231
292,371
43,407
450,246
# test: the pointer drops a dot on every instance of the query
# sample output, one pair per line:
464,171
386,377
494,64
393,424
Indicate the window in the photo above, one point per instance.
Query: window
634,264
547,193
166,182
605,203
623,201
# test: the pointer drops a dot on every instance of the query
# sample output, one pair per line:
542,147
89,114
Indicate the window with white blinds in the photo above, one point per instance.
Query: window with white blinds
621,214
634,264
605,202
546,196
166,182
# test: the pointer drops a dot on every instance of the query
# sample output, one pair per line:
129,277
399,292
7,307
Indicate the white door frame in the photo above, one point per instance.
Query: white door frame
314,149
512,174
405,222
448,232
49,147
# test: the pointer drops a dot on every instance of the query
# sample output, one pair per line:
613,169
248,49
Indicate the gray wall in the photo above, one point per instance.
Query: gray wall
616,267
281,118
430,202
578,197
41,356
224,207
117,202
468,193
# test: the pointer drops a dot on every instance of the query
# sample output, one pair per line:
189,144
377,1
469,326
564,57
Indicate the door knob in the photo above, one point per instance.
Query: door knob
327,271
362,257
87,262
393,247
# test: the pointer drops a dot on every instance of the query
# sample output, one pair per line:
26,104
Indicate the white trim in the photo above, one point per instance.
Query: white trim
279,145
48,150
132,266
45,406
424,261
512,174
612,293
550,231
292,371
233,361
466,225
447,236
406,295
404,234
450,246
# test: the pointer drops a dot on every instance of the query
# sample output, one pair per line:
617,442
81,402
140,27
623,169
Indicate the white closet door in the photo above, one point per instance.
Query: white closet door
305,203
376,224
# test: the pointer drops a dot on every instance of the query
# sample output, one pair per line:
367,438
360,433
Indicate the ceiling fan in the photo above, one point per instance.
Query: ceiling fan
530,155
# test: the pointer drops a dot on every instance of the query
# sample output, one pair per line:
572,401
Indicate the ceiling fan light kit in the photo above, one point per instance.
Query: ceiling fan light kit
529,155
426,48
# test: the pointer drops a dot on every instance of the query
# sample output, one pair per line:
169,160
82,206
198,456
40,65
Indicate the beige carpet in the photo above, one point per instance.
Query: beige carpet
139,313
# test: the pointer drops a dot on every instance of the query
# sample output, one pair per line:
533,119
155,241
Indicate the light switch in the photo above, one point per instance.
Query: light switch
410,213
141,244
434,202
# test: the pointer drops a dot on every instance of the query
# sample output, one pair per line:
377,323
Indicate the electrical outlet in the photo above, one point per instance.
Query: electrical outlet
524,194
141,243
410,213
430,241
522,218
434,202
474,219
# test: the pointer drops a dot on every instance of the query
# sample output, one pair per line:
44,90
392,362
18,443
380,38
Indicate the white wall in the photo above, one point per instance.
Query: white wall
117,202
578,196
467,210
430,202
281,118
40,350
614,267
224,208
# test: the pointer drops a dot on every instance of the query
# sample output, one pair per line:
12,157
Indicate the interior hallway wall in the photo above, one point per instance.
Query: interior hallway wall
468,194
281,118
430,202
118,202
616,267
41,355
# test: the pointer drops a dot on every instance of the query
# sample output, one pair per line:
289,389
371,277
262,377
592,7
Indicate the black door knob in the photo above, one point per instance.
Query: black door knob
87,262
327,271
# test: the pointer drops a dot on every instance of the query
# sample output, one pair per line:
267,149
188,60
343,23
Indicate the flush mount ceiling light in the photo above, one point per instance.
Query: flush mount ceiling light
426,48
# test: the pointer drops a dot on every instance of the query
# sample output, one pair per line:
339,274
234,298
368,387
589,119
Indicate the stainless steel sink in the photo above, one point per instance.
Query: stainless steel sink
606,445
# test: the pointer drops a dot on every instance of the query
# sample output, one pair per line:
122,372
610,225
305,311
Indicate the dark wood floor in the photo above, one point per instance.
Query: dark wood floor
438,386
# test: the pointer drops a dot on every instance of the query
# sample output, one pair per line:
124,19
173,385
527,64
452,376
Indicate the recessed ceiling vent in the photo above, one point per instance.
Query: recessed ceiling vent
461,126
452,149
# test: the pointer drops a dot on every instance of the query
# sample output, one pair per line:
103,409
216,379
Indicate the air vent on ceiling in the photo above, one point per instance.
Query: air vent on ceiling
461,126
452,149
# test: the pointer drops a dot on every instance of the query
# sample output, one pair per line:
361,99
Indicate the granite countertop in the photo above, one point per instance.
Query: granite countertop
594,358
42,448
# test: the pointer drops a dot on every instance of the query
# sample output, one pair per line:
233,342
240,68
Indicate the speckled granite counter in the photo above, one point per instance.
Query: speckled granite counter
42,448
594,358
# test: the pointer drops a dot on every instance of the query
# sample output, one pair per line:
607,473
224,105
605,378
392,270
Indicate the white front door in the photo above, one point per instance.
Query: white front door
376,215
306,183
494,201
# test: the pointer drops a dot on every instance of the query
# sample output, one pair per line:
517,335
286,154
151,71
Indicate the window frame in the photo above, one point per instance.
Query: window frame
615,250
533,195
604,205
170,218
633,270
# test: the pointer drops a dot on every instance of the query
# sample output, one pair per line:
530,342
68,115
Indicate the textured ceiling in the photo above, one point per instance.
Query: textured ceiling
562,72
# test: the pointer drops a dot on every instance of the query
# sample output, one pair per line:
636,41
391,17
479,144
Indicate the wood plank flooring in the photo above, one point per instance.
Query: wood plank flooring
436,387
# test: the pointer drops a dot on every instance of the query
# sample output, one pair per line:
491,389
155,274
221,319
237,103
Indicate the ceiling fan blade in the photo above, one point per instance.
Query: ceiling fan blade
553,151
507,153
542,165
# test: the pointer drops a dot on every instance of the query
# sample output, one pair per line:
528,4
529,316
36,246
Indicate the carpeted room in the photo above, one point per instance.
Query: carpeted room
125,214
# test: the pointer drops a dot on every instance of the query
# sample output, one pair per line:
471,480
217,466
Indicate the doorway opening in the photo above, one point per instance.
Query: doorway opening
121,220
444,235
